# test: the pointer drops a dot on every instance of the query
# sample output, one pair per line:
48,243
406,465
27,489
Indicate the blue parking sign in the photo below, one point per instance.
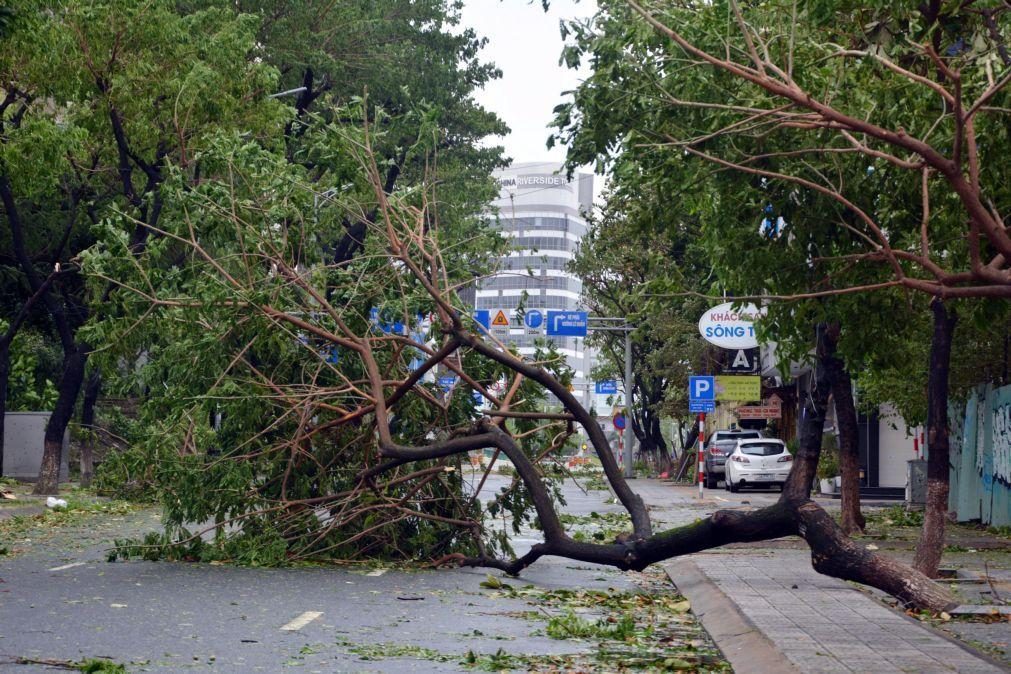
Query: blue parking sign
701,388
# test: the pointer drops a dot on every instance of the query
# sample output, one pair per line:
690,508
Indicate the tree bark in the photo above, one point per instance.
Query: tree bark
929,547
805,463
832,552
849,461
5,370
91,391
70,386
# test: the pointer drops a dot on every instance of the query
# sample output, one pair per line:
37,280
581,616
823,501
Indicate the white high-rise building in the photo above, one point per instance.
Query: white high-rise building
542,213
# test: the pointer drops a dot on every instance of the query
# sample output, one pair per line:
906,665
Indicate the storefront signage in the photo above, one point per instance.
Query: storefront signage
730,328
741,388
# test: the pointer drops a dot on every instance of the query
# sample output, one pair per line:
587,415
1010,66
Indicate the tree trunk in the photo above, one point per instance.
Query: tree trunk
70,387
646,427
929,548
91,390
5,370
687,455
805,463
849,461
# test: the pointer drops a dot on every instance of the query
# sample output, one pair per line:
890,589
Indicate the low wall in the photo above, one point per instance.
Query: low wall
24,435
981,457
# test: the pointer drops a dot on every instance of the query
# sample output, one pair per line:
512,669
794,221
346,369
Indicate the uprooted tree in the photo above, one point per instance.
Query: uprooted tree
332,440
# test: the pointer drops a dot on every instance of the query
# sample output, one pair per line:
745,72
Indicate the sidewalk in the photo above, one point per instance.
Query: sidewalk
817,623
769,611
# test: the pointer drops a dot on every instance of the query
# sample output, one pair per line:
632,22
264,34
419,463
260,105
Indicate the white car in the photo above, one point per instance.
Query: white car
758,463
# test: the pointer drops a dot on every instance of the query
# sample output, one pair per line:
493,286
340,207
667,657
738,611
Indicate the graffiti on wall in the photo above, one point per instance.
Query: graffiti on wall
981,470
1001,454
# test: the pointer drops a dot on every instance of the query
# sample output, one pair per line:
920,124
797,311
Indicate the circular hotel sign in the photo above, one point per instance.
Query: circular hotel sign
729,328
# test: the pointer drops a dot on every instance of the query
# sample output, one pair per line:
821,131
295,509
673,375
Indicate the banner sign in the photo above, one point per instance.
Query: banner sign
741,388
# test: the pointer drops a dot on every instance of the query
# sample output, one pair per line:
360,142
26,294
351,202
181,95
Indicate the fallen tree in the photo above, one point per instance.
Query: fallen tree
335,441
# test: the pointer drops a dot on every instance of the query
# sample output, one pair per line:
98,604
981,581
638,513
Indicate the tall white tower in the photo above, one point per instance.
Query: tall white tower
542,213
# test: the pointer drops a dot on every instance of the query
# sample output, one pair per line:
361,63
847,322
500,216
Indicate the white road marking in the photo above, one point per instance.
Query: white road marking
377,572
301,621
720,498
67,566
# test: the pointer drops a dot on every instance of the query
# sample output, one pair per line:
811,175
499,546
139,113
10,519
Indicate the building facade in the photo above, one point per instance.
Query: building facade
541,212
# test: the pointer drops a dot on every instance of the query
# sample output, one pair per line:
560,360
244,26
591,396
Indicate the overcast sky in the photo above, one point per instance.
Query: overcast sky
524,42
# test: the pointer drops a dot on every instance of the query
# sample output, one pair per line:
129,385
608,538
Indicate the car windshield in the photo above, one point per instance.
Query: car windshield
762,448
739,435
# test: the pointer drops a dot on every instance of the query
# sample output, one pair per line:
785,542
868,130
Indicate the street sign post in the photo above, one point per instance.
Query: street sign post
567,323
701,406
606,387
701,394
702,452
533,322
701,388
483,317
499,323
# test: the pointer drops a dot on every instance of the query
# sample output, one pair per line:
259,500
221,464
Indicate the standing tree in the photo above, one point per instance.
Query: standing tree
803,101
622,264
139,87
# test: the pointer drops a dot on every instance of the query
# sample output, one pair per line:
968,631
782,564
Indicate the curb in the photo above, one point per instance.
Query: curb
745,647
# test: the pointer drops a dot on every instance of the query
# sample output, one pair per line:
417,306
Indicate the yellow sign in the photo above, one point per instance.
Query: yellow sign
739,388
500,320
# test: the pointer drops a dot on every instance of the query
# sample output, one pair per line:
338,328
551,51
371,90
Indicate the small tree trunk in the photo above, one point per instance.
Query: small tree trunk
928,549
52,454
805,464
849,462
661,451
5,370
91,390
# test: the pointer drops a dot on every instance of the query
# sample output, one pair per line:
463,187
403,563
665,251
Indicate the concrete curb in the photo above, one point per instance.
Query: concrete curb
744,646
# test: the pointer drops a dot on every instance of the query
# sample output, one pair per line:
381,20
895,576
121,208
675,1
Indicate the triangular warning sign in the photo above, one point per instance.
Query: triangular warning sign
500,319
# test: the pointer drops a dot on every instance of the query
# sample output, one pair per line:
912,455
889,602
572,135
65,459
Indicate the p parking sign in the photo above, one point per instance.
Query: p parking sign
701,388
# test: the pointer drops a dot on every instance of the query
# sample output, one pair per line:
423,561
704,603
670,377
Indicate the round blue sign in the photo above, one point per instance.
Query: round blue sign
619,422
533,319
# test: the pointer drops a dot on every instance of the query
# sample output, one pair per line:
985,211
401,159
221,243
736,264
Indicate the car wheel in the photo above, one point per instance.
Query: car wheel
733,487
710,481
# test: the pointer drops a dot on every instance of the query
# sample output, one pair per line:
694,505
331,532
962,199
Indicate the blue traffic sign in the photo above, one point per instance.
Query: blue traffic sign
447,383
483,317
386,321
701,388
567,323
696,406
533,319
607,387
619,421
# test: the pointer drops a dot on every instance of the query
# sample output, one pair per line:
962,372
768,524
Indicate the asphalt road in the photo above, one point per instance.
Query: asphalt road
61,600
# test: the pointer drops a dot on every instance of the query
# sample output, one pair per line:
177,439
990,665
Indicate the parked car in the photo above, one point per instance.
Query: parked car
734,434
758,463
717,452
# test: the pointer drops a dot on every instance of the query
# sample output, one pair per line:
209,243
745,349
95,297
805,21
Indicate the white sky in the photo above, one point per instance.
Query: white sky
524,42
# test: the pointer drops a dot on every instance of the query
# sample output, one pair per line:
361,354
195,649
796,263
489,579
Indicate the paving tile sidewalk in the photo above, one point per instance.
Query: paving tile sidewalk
818,624
765,624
